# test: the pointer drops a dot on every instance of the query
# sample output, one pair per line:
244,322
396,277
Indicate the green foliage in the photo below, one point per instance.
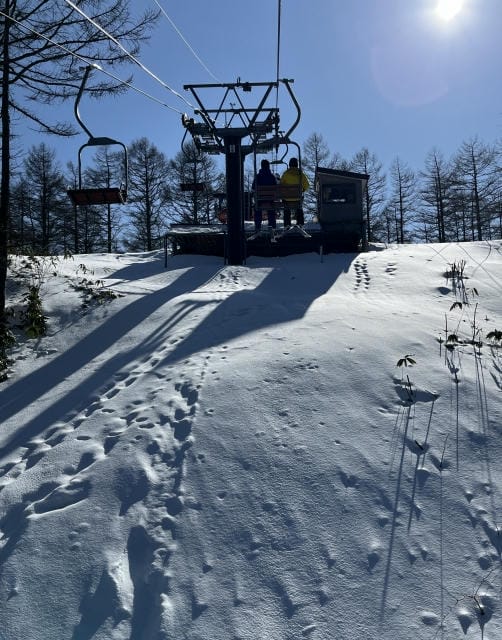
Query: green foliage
7,341
34,322
39,267
94,291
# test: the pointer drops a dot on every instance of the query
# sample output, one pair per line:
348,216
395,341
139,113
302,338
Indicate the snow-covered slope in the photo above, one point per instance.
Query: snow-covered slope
227,453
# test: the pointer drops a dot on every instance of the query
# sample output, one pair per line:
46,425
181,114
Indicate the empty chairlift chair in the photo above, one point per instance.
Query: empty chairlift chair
97,195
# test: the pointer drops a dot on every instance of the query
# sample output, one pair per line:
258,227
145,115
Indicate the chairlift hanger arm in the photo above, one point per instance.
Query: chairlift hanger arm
282,159
87,72
287,83
93,141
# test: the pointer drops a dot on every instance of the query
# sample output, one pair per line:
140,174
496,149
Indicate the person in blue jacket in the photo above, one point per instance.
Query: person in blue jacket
266,177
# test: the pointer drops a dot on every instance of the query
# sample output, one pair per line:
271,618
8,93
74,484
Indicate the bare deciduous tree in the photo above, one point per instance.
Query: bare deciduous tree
403,188
148,194
190,166
43,44
107,171
316,153
436,195
477,174
374,196
46,181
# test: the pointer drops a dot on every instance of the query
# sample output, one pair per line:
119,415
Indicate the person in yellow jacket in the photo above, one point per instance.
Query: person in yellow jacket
293,176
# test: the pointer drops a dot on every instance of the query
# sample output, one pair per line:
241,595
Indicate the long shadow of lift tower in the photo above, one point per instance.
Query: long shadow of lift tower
236,130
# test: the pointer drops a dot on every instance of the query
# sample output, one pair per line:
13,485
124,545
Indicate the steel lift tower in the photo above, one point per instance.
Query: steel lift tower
236,130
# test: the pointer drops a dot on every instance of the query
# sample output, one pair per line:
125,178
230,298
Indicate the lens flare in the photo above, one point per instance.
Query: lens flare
448,9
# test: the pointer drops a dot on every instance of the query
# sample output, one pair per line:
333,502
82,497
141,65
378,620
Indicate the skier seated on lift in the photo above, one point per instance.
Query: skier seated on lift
293,176
264,177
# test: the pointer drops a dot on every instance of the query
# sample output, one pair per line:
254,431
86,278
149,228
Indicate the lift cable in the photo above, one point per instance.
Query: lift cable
277,73
133,58
278,49
197,57
87,62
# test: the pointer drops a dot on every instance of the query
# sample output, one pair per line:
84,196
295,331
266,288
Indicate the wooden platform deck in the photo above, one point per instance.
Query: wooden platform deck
212,240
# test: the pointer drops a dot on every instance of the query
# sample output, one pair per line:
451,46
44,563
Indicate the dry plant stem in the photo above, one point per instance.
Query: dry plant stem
442,455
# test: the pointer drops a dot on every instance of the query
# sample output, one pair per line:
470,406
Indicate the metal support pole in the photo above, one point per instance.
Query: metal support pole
235,216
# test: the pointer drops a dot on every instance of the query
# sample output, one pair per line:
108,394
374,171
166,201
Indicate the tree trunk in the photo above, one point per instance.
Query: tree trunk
5,169
109,228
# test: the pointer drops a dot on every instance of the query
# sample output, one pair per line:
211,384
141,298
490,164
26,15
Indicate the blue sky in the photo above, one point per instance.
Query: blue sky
389,75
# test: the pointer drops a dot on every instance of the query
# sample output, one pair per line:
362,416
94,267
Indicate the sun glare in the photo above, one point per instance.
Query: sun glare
448,9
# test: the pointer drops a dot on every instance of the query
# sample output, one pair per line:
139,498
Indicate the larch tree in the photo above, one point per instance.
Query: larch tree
43,44
316,153
21,223
498,205
148,195
477,176
43,174
403,190
107,170
375,193
436,196
192,167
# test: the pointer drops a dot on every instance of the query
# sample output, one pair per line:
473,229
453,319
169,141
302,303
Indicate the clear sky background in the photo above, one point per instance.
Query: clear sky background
389,75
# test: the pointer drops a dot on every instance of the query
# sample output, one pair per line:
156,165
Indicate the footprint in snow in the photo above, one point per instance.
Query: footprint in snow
362,275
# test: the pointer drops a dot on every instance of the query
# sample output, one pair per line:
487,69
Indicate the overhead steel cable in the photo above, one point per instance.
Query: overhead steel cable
278,55
278,39
128,53
197,57
87,62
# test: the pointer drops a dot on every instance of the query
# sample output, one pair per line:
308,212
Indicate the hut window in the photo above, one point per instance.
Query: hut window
341,193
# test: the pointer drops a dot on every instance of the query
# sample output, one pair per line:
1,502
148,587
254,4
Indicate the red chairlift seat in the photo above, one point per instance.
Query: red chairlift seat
110,195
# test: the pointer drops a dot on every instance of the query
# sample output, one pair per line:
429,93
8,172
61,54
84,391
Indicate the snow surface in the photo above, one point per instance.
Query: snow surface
232,452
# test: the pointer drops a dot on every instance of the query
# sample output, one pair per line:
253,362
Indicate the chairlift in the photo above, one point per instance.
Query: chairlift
84,196
274,196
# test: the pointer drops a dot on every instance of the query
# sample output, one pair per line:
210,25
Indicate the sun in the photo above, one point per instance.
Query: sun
448,9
